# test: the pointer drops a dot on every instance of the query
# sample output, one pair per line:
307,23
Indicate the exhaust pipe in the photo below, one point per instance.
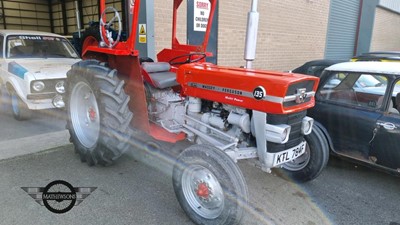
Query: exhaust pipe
251,35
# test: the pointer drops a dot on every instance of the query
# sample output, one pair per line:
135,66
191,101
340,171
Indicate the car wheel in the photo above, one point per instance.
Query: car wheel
309,165
209,186
98,116
19,109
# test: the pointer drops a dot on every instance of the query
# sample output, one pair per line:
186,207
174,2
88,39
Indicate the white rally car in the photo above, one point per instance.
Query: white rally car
33,67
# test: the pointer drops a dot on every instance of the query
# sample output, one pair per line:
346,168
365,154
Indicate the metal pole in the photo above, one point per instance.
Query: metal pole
64,17
251,35
3,15
51,17
78,21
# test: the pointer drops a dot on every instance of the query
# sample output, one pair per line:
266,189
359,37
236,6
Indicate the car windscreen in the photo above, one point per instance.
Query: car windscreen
38,46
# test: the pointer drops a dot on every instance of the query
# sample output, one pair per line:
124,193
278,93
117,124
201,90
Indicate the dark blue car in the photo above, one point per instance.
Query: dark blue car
357,107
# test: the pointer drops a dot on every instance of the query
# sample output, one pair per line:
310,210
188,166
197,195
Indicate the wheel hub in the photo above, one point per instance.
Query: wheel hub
92,114
203,191
84,114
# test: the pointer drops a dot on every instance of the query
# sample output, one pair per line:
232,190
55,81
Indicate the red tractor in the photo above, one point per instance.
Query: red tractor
226,113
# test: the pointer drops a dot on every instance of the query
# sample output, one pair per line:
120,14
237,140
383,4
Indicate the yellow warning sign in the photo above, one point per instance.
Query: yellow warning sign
142,29
142,38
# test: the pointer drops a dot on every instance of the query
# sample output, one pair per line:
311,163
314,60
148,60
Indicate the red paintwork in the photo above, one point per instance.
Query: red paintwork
181,49
122,48
161,134
147,78
125,59
275,84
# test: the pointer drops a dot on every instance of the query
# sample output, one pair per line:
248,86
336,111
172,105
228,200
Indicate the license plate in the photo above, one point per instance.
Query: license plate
290,154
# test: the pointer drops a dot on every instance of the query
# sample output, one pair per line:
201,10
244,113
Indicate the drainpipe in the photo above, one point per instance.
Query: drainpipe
358,28
78,19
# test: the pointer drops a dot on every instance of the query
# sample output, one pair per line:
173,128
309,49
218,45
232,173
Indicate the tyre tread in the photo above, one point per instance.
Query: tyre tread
115,132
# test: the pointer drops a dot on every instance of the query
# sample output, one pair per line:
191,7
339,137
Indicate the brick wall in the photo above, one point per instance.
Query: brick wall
290,32
386,22
163,23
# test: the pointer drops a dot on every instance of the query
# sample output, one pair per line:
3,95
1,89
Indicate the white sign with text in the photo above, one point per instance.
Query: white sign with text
201,14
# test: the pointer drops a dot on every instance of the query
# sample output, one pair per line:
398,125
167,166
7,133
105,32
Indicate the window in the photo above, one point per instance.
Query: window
363,90
1,45
36,46
396,97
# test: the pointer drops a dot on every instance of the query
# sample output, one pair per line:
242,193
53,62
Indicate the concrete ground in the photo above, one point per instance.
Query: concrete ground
138,188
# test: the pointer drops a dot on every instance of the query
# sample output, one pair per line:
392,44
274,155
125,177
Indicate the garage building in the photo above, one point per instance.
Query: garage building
290,32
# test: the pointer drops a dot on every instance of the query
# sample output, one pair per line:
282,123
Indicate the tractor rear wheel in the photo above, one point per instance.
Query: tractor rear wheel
98,114
209,186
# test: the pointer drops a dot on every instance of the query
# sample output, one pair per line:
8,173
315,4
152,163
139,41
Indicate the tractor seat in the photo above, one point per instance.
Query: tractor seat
160,74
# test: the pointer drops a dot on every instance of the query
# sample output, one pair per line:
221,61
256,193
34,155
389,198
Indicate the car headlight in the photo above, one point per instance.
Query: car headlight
60,87
58,101
38,86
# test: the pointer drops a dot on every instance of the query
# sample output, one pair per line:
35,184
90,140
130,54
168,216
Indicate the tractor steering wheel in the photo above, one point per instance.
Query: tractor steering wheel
105,31
187,58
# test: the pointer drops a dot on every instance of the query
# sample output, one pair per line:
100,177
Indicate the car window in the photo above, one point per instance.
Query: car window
396,96
315,70
36,46
361,90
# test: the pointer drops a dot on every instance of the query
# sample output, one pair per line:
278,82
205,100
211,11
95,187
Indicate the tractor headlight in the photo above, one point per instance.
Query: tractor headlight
306,125
60,87
277,133
38,86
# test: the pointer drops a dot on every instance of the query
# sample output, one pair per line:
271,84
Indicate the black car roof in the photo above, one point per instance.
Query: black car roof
320,62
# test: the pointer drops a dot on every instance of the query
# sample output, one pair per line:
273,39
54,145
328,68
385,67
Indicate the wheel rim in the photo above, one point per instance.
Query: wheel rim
15,103
85,115
202,191
300,162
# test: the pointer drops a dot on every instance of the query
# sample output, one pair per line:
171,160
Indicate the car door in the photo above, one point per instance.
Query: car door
348,113
385,148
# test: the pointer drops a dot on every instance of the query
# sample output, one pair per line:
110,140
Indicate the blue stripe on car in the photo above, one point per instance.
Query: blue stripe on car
17,69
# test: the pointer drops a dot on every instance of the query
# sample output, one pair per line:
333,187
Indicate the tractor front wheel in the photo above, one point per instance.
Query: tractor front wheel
98,114
309,165
209,186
